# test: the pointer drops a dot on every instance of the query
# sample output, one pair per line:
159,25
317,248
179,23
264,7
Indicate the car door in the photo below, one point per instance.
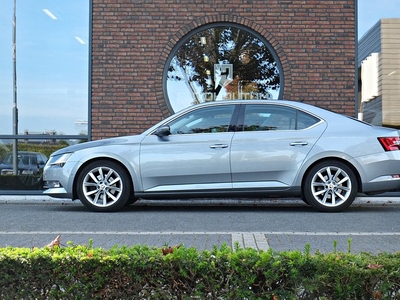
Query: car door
271,145
195,156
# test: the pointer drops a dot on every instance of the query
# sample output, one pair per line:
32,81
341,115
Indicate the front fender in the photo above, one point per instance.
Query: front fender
129,159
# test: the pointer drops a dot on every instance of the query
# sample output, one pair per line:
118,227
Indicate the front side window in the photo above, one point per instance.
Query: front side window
221,62
204,120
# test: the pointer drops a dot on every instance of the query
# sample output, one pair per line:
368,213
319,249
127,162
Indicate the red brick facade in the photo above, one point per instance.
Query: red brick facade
132,39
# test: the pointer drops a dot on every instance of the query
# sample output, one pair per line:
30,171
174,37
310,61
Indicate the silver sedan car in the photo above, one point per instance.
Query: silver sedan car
233,149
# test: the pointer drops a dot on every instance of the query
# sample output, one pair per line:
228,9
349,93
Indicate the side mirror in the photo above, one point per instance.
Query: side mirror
163,131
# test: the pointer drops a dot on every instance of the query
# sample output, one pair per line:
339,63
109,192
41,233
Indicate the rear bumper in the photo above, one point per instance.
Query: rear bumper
381,172
381,184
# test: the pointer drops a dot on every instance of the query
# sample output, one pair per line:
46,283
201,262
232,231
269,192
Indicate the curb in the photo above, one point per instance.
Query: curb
38,199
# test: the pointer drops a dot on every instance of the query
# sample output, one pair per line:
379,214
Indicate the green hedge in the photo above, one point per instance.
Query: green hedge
141,272
46,149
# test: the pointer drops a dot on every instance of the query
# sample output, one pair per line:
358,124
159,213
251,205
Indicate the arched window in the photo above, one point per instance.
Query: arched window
220,62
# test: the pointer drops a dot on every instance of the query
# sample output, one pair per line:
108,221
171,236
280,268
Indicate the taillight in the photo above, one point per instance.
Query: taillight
390,143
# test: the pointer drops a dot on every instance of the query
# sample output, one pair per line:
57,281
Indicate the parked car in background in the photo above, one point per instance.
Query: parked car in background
29,163
233,149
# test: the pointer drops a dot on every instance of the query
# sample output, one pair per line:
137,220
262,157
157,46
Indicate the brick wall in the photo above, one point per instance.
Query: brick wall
132,39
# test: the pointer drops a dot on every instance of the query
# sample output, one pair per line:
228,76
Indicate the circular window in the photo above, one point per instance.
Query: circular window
221,62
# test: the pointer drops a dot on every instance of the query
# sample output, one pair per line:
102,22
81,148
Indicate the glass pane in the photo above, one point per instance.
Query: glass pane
305,120
52,43
205,120
269,117
26,173
219,63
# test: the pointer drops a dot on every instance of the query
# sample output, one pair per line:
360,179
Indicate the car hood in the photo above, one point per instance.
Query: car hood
106,142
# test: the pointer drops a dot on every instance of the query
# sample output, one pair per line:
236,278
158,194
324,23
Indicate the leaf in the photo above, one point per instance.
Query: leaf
169,250
374,266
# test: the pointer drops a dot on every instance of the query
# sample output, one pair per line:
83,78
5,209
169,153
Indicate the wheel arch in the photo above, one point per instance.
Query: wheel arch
338,159
79,170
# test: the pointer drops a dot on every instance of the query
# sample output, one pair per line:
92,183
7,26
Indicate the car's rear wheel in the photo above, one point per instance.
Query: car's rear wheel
330,186
103,186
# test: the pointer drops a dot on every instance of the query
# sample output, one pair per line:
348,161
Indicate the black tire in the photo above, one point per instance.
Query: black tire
131,201
330,186
305,201
103,186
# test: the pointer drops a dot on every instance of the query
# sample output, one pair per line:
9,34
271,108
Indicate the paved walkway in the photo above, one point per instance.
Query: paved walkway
278,241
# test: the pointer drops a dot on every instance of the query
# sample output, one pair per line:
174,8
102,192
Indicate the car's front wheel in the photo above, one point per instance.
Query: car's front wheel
103,186
330,186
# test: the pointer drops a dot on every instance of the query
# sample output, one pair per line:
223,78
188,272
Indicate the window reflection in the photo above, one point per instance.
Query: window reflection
220,63
51,66
274,117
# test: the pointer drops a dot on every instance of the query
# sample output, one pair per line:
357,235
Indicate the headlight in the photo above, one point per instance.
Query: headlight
59,160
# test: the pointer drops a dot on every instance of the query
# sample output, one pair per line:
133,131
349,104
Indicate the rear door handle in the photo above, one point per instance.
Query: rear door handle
217,146
299,144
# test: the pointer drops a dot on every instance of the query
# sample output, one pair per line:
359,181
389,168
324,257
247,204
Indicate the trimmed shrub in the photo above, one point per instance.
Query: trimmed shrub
142,272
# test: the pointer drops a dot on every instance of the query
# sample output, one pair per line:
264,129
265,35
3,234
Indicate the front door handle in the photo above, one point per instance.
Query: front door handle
217,146
299,144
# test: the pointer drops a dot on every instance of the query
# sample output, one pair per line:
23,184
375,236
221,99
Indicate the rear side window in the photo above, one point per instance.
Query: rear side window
305,120
276,117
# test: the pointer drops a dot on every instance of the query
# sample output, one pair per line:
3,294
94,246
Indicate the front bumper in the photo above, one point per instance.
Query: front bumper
57,193
58,181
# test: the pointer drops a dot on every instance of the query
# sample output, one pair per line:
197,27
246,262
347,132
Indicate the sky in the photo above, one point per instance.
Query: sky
51,65
371,11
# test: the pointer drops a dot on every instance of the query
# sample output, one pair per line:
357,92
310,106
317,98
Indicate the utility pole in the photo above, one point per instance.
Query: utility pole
15,109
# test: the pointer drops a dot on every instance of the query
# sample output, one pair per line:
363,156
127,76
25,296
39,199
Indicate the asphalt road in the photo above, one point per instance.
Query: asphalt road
370,224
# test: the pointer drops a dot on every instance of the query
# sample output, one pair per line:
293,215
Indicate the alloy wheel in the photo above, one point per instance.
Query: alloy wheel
331,186
102,186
